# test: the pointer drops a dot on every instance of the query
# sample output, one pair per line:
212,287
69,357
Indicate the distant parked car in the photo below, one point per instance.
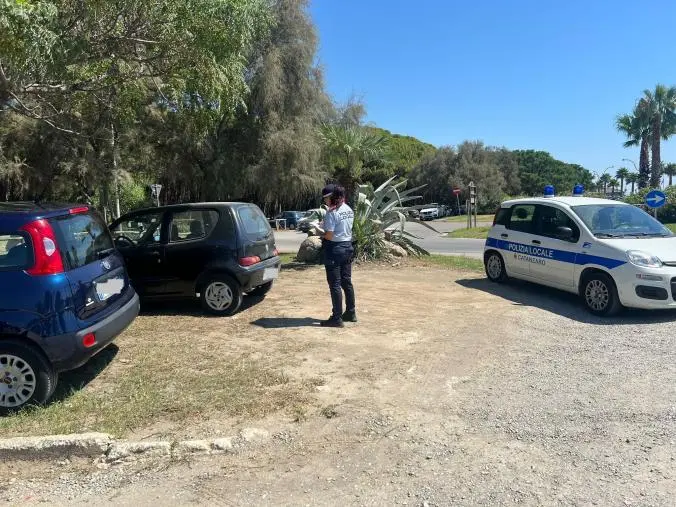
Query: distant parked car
292,218
65,296
216,252
429,214
312,217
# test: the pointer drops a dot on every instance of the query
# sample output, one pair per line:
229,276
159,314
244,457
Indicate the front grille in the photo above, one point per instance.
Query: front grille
649,292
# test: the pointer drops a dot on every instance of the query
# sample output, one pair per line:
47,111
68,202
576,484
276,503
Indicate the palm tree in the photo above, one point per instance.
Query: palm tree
351,146
613,185
604,179
670,170
636,127
633,179
622,174
661,104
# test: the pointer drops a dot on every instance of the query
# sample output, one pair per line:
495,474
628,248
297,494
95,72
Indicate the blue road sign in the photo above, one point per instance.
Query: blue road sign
655,199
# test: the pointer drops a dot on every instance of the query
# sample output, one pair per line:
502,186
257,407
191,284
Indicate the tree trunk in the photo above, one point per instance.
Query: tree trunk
113,154
622,186
644,164
670,176
632,187
656,169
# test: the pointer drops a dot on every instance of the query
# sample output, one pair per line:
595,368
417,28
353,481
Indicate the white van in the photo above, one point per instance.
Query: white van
611,253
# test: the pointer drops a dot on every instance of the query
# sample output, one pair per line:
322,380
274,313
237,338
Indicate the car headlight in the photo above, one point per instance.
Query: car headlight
643,259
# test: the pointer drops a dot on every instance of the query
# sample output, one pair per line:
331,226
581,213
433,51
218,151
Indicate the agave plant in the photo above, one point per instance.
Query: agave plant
382,211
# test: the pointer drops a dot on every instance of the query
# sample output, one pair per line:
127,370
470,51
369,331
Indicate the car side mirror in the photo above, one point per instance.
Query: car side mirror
565,233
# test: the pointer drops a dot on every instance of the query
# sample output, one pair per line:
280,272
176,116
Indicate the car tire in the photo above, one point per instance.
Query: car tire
261,290
221,295
26,378
495,267
599,295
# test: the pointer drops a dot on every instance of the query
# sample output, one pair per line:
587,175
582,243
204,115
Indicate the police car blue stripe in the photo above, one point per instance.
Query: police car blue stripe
581,259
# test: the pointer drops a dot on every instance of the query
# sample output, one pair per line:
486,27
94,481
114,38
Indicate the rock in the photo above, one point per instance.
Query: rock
310,250
223,444
395,250
121,450
85,444
193,446
253,435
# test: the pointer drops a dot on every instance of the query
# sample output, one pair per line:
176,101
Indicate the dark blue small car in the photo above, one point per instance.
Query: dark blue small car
64,296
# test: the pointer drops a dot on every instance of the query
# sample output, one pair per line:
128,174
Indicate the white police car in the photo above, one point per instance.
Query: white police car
611,253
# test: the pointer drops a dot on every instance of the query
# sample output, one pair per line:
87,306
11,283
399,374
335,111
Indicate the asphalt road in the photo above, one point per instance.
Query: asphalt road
433,242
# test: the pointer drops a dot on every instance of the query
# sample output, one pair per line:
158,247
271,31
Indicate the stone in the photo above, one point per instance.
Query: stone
310,250
223,444
395,250
85,444
255,435
193,446
121,450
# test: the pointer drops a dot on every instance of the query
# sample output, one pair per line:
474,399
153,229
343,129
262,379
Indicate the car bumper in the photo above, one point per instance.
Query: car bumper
259,274
638,287
67,352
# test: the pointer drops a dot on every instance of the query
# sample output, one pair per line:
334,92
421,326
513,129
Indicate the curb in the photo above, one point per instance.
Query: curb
109,450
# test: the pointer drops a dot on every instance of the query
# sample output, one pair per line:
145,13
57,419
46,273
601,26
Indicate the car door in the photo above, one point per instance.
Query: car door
518,237
140,239
189,251
553,251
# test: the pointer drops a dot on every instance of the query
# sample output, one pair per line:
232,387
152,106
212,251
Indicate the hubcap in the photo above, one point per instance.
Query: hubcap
218,296
494,266
17,381
597,295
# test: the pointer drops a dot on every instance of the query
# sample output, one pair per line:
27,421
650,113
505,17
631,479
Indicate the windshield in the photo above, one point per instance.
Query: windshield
617,221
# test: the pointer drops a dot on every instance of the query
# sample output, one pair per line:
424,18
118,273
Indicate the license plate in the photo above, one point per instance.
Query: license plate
109,288
270,274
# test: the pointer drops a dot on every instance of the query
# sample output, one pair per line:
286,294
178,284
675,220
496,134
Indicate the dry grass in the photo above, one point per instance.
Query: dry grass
171,376
474,232
452,262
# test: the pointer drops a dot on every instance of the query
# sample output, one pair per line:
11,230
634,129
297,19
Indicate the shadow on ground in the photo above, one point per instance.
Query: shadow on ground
190,308
76,380
284,322
562,303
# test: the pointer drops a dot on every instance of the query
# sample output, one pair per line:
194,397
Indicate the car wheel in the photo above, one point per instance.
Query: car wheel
261,290
25,377
221,295
495,267
600,295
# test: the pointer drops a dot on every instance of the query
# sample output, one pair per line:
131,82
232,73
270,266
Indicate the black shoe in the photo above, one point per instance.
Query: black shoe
350,316
332,322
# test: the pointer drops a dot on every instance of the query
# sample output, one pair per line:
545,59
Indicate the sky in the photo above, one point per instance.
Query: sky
524,74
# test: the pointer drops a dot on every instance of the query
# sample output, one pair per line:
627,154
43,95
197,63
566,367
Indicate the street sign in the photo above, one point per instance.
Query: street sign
155,190
457,191
655,199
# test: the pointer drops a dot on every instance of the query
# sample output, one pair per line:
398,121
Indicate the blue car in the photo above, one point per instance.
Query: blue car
64,296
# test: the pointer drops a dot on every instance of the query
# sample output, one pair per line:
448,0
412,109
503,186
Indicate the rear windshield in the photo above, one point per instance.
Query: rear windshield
254,223
83,238
14,252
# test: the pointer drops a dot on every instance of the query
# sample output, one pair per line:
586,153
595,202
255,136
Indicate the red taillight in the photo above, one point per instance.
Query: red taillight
89,340
81,209
47,256
249,261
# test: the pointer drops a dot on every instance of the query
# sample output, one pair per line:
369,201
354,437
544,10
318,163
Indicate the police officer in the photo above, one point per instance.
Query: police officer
338,255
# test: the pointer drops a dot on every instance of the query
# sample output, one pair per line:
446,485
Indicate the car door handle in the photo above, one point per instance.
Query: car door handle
536,242
504,235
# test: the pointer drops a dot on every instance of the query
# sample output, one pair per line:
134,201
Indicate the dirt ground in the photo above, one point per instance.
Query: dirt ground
449,391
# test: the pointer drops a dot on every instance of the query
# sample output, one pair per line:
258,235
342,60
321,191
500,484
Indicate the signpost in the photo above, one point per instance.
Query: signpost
155,190
655,199
471,205
456,193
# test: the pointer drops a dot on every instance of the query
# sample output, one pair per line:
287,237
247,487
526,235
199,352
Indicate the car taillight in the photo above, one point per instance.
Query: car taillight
89,340
249,261
47,256
81,209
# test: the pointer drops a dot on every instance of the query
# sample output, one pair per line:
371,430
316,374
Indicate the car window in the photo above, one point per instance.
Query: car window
82,238
144,229
14,252
549,219
502,217
254,223
192,225
521,218
618,220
